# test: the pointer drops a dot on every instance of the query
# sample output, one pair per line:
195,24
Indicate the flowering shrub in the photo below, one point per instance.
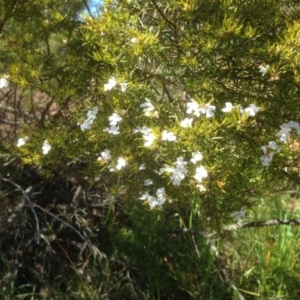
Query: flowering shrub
169,85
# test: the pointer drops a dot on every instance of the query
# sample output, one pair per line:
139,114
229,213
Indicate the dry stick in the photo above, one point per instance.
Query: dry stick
68,225
25,195
234,227
222,268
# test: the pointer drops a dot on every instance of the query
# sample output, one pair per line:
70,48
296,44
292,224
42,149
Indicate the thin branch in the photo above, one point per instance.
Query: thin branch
271,222
88,243
25,195
222,267
163,15
234,227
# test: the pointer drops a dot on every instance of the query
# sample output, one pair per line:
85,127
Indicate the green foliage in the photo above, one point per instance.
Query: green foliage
168,53
273,270
173,54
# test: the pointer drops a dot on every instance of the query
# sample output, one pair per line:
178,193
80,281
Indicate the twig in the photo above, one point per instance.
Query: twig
234,227
68,225
162,15
271,222
222,267
25,195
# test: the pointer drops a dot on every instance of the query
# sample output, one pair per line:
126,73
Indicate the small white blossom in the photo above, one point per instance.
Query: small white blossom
105,155
264,149
201,173
252,110
273,145
294,125
267,159
148,136
123,86
193,108
142,167
228,107
236,215
155,201
208,110
196,156
86,125
21,141
168,136
91,115
112,130
3,82
263,70
178,173
111,84
46,147
134,40
284,133
161,197
148,182
201,187
187,122
121,163
114,119
148,108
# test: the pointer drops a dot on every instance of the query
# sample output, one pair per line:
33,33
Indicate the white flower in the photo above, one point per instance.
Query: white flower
273,145
155,201
91,114
123,86
168,136
263,70
148,107
86,125
201,187
3,83
293,124
166,168
267,159
161,197
208,110
134,40
228,107
187,122
148,182
105,155
21,141
238,214
111,84
142,167
112,130
252,110
200,173
114,119
284,133
148,136
196,156
46,147
179,171
121,163
193,107
264,149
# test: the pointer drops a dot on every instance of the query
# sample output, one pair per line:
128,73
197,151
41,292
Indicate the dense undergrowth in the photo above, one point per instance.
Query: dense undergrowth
94,246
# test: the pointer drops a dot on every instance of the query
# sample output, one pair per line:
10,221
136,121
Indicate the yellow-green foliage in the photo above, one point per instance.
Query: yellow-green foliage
170,52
